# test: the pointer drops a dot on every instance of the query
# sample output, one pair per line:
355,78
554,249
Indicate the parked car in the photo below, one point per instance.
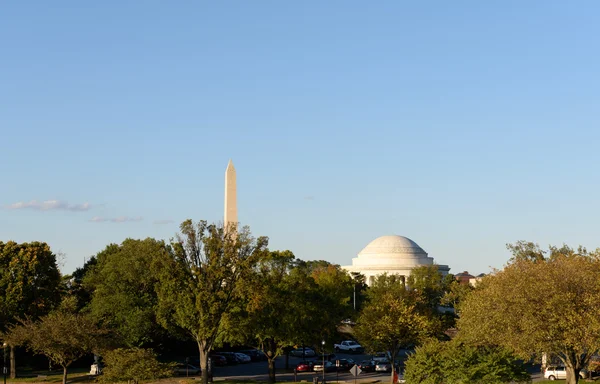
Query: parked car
230,357
557,372
383,366
348,346
329,366
218,360
255,354
182,369
344,364
367,366
303,352
380,356
242,357
305,366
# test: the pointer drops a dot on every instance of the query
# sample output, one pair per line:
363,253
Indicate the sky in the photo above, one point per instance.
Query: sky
463,125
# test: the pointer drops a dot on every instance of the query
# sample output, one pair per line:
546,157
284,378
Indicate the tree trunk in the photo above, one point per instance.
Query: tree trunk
13,364
204,352
271,369
572,375
64,374
393,363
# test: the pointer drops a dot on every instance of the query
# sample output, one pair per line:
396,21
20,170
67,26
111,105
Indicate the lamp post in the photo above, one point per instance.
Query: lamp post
4,367
323,348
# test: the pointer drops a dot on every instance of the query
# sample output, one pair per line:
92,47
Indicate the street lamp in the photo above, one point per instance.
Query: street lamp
323,348
4,368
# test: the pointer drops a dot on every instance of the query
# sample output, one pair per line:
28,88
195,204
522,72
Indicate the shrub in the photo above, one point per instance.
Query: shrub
133,365
455,363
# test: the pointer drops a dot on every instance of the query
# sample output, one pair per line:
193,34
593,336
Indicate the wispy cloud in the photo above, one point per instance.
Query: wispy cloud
162,222
120,219
50,205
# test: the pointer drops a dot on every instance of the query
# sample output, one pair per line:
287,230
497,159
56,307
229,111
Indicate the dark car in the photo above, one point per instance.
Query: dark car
182,369
344,364
367,366
218,360
230,357
255,354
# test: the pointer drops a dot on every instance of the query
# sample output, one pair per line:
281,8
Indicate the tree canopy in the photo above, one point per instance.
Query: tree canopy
30,284
539,305
391,319
123,283
199,286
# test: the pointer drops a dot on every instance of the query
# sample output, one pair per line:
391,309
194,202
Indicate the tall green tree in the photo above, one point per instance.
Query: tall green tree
539,305
391,319
274,302
200,285
30,285
124,282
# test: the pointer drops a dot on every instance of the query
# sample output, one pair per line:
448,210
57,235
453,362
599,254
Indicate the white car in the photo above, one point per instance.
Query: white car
242,357
383,366
303,352
554,372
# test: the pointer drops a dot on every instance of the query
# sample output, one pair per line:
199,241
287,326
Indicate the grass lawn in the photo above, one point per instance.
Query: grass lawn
74,375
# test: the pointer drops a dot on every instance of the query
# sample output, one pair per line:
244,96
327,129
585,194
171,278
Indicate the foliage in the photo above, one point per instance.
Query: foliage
74,286
30,284
437,362
430,290
539,305
334,292
199,288
123,284
62,336
274,302
391,319
133,365
428,283
29,281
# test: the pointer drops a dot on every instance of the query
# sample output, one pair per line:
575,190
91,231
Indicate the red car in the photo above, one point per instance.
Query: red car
306,366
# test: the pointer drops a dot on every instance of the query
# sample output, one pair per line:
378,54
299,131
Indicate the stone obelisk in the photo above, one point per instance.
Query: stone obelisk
231,218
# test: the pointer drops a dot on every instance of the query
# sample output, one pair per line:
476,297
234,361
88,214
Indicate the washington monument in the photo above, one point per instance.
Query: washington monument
231,216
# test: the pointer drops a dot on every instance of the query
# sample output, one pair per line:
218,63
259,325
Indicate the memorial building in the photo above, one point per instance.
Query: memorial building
393,254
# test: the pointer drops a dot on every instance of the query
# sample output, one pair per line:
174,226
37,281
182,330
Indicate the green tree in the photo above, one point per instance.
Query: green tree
133,365
536,305
274,302
429,288
391,319
123,283
437,362
63,335
74,283
30,285
200,288
335,290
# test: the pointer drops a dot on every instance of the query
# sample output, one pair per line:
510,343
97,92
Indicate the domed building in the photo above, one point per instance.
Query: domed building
392,255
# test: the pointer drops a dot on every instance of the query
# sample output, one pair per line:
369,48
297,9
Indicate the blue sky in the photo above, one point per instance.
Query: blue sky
462,125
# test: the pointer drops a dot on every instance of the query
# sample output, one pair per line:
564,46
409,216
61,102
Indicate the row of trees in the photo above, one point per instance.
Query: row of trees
218,286
208,284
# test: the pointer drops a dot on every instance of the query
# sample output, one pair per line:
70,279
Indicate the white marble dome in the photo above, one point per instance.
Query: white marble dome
391,254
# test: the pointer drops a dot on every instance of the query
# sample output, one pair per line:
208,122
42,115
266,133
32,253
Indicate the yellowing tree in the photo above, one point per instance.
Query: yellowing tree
539,304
